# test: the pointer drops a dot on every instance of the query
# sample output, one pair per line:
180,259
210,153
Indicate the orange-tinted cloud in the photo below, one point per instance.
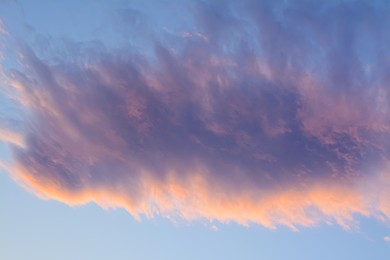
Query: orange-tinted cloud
195,198
282,125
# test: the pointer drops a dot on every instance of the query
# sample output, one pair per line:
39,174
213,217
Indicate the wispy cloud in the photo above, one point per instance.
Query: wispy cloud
11,137
279,118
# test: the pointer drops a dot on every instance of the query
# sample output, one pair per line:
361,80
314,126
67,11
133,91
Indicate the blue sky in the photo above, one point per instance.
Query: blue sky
194,130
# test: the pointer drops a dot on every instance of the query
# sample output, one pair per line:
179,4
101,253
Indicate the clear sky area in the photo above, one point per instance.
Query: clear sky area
194,130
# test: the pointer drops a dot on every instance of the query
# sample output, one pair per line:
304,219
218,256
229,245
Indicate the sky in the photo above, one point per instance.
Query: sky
194,129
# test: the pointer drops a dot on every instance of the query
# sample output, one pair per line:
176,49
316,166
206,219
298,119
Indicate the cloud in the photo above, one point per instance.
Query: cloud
214,228
386,239
11,137
279,118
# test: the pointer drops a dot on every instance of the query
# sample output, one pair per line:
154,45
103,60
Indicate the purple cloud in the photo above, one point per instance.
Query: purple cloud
280,117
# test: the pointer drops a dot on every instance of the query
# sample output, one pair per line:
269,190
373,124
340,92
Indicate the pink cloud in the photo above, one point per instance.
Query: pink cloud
249,129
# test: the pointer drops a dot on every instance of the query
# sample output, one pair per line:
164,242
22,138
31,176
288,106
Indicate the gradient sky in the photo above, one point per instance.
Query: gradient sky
194,129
